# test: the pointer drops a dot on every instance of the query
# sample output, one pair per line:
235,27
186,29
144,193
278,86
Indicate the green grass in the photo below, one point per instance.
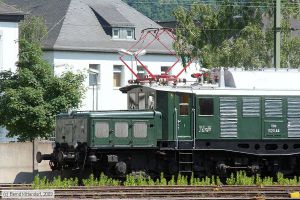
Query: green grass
238,178
58,182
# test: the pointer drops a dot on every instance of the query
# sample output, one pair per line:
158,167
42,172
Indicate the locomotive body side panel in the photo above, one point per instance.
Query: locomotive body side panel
250,117
207,117
121,129
166,105
71,130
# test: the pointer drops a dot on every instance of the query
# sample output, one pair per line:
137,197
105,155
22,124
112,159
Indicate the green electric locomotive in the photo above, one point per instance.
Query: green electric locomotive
202,128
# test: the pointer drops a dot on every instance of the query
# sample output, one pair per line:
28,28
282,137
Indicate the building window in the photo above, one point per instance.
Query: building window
118,76
94,74
206,106
129,34
123,33
116,33
164,69
141,72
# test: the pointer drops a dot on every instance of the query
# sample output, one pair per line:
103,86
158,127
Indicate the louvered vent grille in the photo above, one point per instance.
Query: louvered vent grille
294,107
294,117
251,107
228,115
273,108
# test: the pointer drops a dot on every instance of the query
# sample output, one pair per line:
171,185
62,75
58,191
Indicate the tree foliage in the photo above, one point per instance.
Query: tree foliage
232,33
158,10
32,96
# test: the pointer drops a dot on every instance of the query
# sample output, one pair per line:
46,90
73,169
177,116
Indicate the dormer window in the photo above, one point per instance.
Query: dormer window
129,34
116,33
123,33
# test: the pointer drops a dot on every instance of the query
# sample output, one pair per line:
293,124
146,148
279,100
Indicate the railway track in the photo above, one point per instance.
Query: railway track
171,192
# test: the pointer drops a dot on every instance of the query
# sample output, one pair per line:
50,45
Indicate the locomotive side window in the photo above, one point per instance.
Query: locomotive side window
132,102
206,106
184,105
142,101
151,101
101,129
121,129
140,129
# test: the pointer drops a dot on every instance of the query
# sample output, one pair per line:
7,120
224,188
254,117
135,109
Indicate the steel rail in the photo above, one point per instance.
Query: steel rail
169,192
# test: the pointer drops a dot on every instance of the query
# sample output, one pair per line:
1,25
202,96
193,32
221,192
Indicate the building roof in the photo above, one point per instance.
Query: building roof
81,25
9,13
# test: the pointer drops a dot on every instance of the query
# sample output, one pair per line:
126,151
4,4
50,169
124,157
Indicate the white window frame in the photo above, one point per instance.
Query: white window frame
123,33
95,69
113,33
121,72
163,72
141,70
131,35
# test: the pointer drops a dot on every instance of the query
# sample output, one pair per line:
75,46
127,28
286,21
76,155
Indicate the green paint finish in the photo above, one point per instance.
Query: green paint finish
249,128
183,115
249,118
274,118
166,107
256,117
274,129
207,117
122,132
125,128
102,132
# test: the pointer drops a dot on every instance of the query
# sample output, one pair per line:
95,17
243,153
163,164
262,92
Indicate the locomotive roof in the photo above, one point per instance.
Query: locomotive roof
202,90
270,79
110,113
238,82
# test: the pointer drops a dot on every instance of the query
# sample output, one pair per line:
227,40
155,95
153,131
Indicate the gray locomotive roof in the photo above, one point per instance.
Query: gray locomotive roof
281,79
246,83
78,25
110,113
223,91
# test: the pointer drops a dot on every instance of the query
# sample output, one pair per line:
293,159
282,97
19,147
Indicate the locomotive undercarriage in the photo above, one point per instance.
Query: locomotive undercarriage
153,161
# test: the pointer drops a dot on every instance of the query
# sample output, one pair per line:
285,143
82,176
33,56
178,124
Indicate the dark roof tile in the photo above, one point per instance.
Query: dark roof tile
76,24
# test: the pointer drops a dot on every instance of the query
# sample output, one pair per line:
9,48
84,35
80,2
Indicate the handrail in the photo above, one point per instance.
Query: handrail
194,127
176,127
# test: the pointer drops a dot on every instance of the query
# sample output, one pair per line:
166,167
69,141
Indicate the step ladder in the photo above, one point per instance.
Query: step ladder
185,161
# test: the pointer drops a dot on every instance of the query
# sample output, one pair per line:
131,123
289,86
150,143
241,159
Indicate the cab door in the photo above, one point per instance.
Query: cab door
183,116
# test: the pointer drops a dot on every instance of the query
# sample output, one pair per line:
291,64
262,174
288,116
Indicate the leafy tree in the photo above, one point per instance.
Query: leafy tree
32,96
159,10
231,33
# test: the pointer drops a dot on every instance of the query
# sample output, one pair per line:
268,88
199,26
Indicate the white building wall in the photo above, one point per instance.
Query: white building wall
9,46
105,96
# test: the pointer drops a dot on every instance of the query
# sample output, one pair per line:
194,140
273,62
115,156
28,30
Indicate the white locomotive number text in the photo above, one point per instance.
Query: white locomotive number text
204,129
273,129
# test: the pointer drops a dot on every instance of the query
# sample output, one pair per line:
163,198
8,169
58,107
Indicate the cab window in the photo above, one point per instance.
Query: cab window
184,105
206,106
